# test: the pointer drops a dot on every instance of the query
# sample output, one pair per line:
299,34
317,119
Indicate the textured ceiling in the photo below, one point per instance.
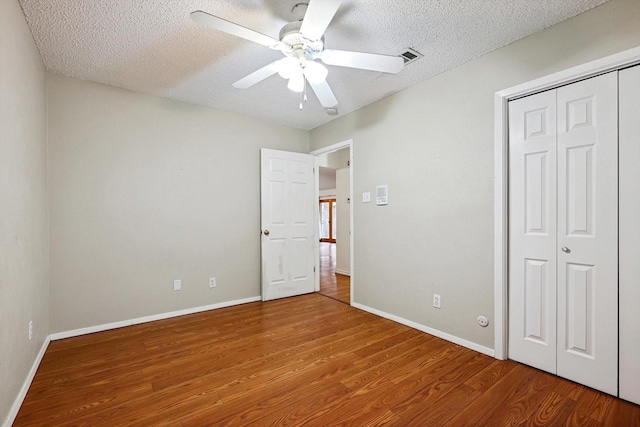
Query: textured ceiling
153,47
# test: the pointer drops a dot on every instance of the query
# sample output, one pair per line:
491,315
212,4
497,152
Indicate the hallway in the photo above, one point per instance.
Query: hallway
333,285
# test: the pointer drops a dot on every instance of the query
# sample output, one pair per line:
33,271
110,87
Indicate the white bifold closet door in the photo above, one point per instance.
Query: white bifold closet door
563,231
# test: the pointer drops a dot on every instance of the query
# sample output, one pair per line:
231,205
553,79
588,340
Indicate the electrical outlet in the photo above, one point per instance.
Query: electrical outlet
212,282
436,300
177,285
30,329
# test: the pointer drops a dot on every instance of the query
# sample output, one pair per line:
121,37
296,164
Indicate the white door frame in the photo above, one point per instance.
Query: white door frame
501,190
326,150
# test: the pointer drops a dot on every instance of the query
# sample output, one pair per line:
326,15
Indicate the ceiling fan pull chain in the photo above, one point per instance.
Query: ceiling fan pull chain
303,94
305,90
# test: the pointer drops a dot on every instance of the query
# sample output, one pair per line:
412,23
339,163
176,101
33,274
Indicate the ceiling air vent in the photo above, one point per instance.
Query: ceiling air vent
410,55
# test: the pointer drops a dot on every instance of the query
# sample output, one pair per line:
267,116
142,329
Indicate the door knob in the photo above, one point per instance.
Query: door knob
266,232
566,249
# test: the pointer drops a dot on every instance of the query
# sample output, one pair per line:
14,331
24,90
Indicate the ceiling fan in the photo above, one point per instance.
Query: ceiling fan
302,43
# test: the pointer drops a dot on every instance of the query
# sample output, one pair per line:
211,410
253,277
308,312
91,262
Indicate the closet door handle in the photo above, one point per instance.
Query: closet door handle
566,250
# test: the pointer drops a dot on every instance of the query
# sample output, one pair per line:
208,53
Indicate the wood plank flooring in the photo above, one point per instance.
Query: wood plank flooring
333,285
307,360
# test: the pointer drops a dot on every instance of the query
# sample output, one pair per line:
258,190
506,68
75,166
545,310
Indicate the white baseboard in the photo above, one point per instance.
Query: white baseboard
145,319
430,331
13,412
343,272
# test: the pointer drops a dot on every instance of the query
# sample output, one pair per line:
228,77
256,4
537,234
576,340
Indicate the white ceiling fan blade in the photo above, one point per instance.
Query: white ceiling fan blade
234,29
317,18
365,61
257,76
324,93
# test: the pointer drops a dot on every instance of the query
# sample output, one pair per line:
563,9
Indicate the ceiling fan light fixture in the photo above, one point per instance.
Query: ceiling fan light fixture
296,82
287,67
315,72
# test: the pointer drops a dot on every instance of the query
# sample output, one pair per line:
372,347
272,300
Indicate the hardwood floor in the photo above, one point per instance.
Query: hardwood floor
333,285
307,360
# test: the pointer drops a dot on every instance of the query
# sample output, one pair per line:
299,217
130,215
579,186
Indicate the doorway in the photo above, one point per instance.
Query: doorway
335,246
333,285
328,220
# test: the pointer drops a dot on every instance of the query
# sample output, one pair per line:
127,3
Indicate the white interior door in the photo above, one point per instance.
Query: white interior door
532,230
563,255
289,231
588,232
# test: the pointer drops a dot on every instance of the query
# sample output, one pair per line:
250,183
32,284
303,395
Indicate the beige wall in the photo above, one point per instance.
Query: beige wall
24,271
338,159
334,160
145,190
433,145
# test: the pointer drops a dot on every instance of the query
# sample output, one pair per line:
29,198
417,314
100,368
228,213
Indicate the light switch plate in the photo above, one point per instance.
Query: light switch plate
436,301
366,197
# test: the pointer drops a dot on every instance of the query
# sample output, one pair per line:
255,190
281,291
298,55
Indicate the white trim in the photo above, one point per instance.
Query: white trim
590,69
448,337
145,319
333,147
13,411
500,228
330,149
328,194
352,203
316,233
610,63
343,272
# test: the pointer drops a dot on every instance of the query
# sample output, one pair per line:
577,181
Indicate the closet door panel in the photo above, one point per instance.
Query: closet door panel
532,231
587,245
630,234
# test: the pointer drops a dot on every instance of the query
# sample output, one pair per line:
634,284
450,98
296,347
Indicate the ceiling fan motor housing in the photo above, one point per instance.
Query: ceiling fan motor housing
295,44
